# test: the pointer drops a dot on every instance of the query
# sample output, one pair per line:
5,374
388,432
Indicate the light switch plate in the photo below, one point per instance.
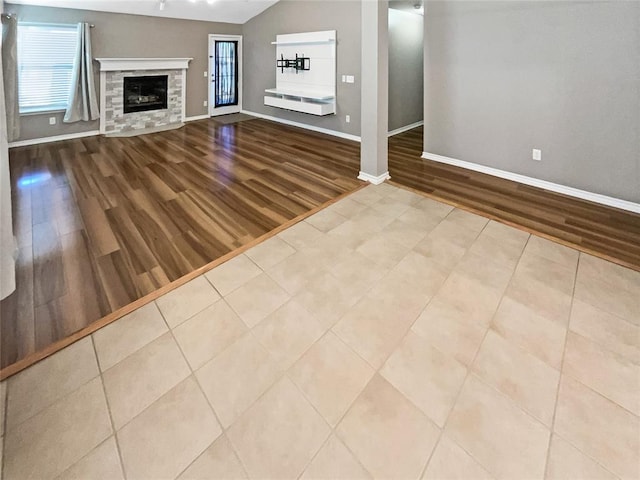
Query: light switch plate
536,154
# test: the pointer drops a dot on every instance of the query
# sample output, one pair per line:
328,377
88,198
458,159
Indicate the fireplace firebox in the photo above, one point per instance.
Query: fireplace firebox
145,93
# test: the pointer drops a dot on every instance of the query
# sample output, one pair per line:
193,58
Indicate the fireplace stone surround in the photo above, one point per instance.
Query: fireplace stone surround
113,120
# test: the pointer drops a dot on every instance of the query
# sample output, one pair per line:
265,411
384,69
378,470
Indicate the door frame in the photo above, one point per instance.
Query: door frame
232,108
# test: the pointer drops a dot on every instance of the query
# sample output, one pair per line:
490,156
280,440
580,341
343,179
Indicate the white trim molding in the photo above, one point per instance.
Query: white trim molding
335,133
118,64
406,128
197,117
374,180
535,182
54,138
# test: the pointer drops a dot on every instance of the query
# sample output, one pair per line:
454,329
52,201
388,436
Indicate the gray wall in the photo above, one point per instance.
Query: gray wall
295,17
502,78
406,80
122,35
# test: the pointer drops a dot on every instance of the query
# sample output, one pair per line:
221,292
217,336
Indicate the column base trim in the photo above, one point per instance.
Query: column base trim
372,179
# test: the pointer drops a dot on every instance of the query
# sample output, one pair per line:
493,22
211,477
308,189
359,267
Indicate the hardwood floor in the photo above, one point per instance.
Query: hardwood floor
604,231
102,222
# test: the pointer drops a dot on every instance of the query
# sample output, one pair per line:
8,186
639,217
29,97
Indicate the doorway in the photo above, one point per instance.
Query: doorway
225,74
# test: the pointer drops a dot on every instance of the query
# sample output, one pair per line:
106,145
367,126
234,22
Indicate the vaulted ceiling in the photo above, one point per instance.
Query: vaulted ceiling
229,11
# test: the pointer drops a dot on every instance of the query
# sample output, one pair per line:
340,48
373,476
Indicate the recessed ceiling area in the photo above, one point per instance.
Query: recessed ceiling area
227,11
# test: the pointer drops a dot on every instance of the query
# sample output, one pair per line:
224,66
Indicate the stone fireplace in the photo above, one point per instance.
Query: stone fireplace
141,93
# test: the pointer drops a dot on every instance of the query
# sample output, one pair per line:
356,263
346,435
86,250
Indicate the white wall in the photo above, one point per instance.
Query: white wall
406,72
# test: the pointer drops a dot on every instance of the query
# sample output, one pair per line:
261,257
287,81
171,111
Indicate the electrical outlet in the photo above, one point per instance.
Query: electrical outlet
536,154
206,75
52,120
348,119
204,104
350,79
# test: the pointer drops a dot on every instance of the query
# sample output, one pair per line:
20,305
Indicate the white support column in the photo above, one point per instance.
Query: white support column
374,165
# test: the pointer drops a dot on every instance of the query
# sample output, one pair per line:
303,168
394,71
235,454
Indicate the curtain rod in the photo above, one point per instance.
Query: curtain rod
13,15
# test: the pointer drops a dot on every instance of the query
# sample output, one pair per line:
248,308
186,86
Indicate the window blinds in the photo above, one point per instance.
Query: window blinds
45,64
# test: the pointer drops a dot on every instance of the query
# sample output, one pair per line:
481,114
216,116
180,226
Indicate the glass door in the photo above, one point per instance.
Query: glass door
225,74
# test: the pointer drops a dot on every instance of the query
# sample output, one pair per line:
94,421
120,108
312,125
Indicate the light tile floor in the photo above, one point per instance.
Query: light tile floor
387,336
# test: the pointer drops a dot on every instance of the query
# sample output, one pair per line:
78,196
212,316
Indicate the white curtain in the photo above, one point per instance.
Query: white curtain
10,67
83,101
7,241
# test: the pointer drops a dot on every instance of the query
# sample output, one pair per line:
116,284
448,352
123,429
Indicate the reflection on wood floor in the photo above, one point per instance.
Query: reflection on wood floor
102,222
607,232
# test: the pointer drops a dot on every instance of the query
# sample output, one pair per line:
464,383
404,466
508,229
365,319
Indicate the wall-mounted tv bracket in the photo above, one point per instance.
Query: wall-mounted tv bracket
300,63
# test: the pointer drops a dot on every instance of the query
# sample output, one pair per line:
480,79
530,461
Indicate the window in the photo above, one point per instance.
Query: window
45,65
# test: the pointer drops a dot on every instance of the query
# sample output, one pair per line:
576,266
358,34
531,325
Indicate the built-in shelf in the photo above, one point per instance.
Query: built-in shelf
305,73
301,94
314,103
299,104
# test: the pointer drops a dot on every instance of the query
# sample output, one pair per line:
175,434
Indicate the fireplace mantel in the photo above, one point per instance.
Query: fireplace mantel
120,64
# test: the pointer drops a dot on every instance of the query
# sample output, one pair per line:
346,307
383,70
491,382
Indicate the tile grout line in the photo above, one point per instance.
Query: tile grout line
58,400
195,378
577,380
378,371
470,369
313,457
346,411
553,433
334,428
285,373
564,351
606,469
148,406
106,400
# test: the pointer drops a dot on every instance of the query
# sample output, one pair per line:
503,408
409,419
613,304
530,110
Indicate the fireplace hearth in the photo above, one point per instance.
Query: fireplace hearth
145,93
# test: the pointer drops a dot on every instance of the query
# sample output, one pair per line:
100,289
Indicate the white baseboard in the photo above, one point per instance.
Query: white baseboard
197,117
405,128
335,133
55,138
374,180
534,182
